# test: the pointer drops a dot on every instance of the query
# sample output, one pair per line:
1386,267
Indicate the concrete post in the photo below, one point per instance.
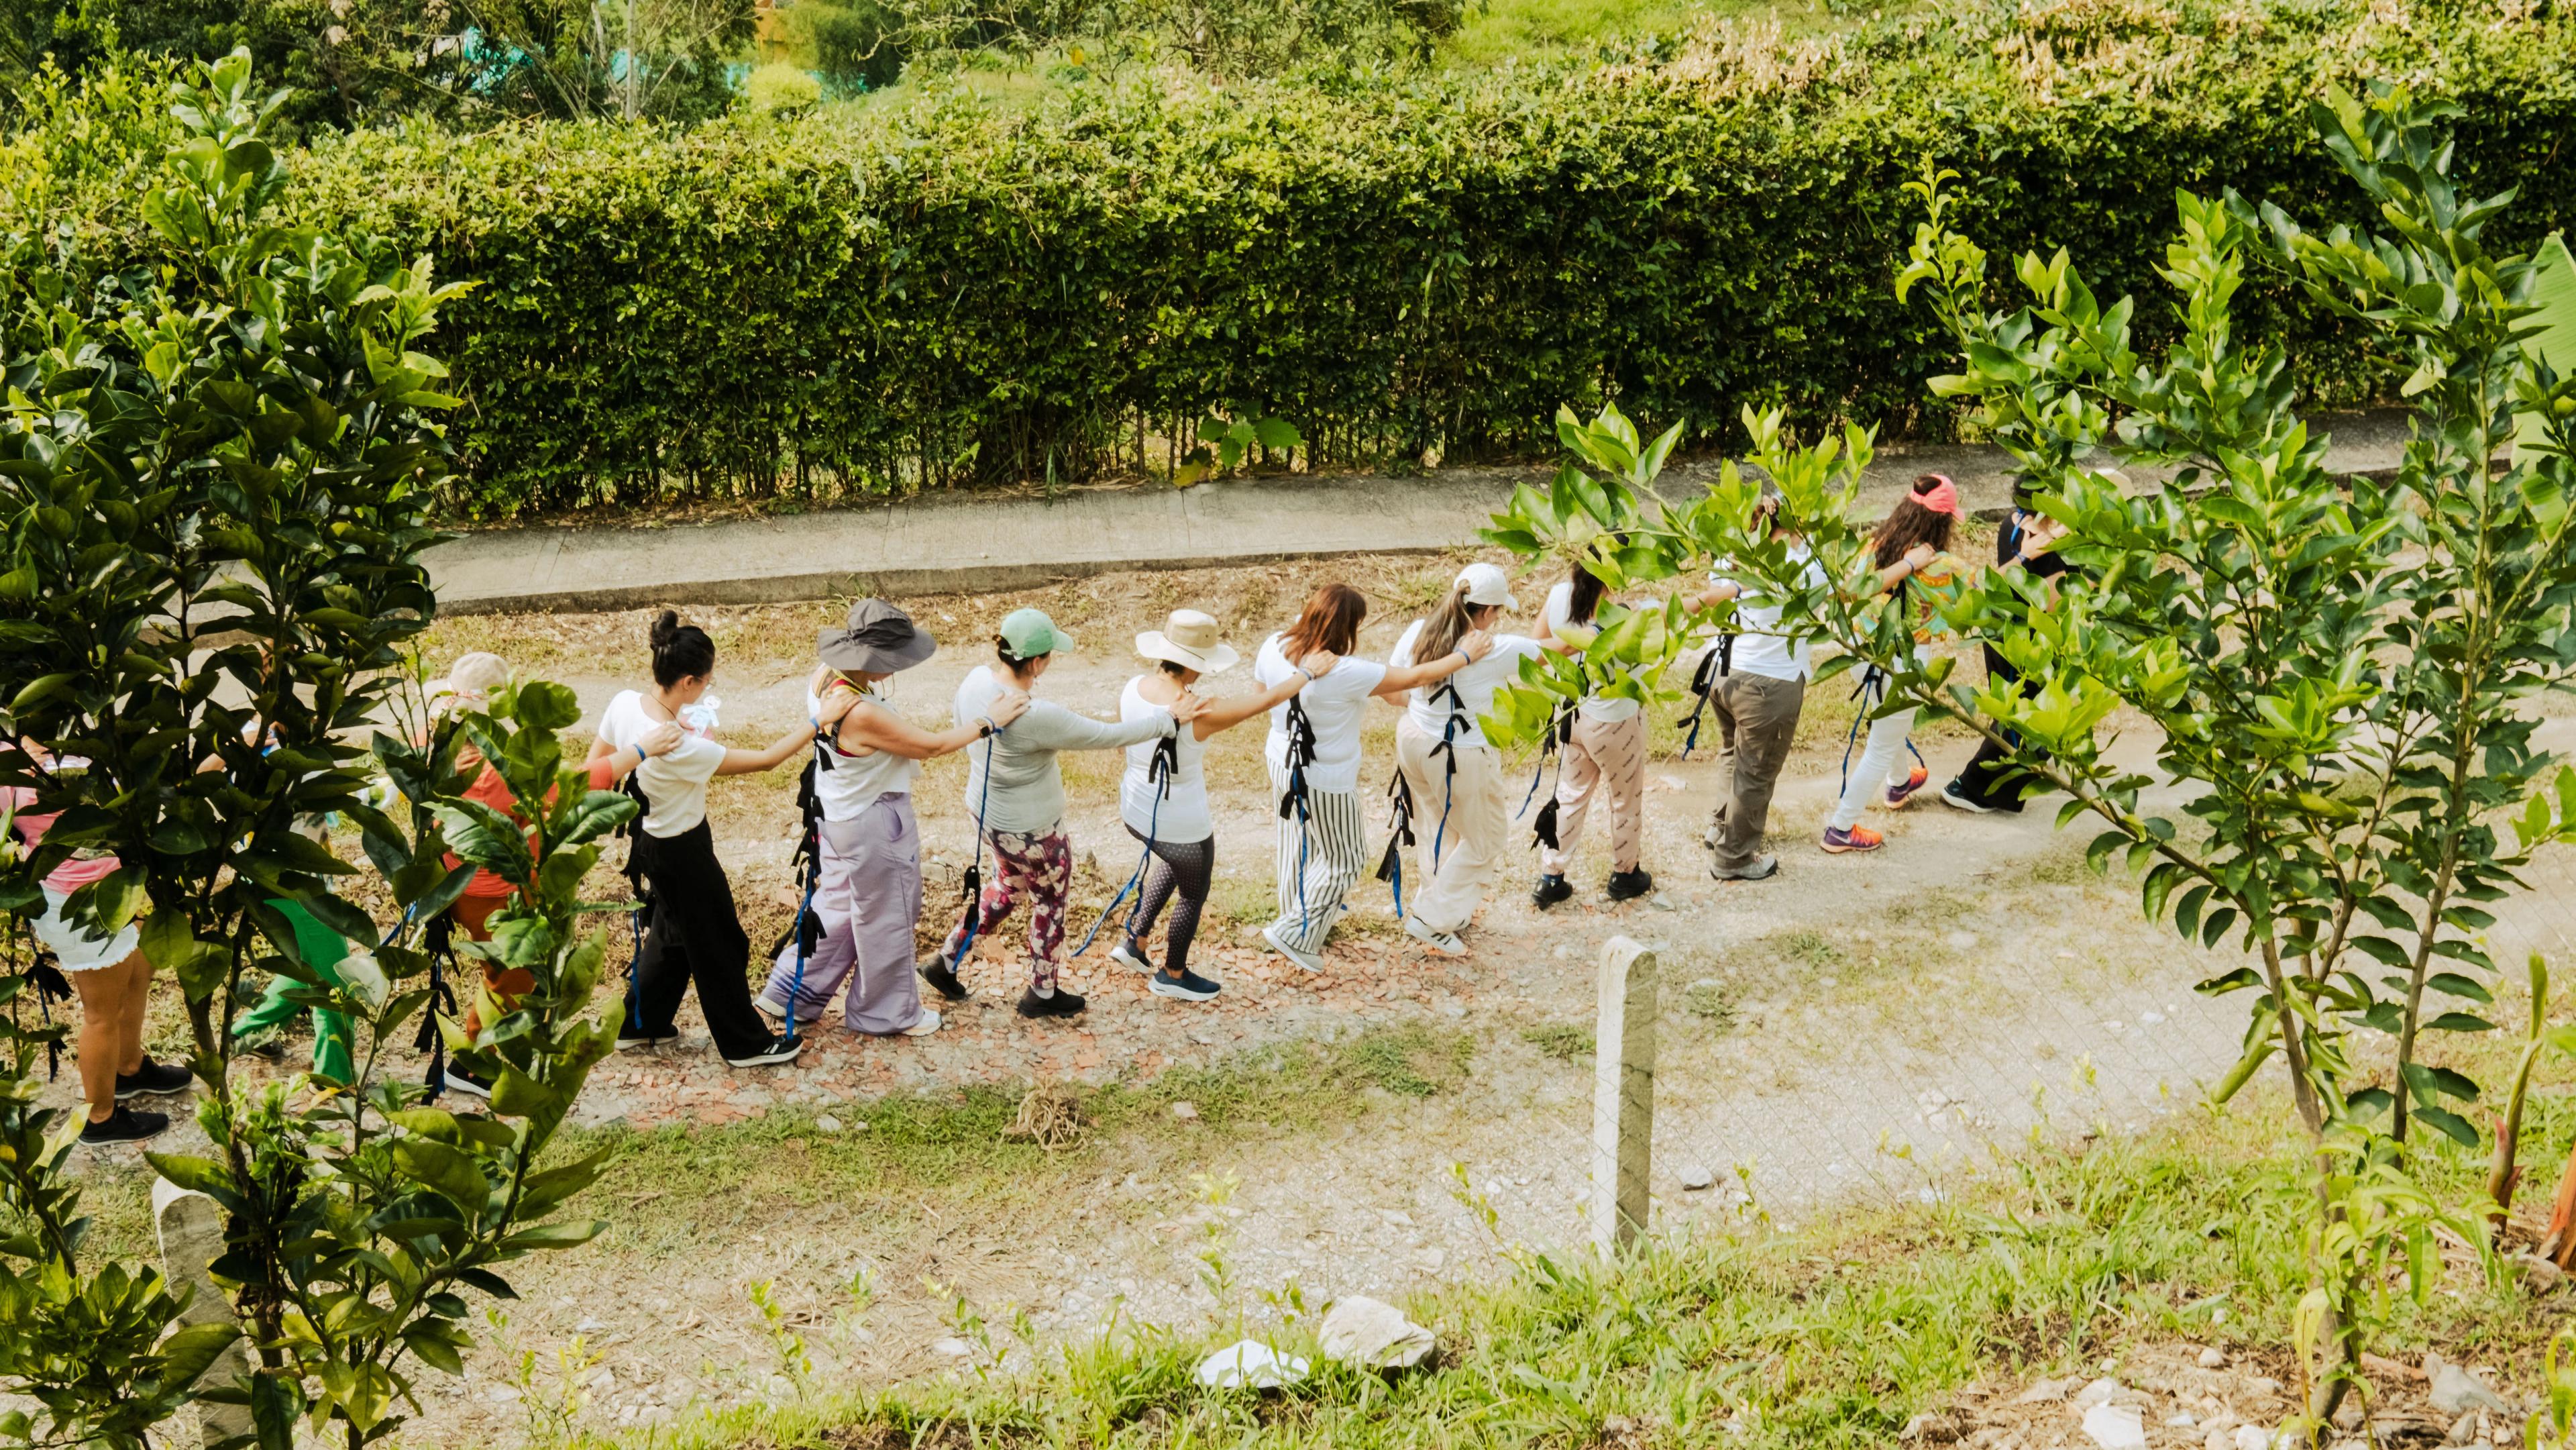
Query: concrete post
1623,1093
191,1229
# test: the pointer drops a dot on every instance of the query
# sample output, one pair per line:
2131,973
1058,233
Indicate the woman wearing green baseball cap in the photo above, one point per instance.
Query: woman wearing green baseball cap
1016,794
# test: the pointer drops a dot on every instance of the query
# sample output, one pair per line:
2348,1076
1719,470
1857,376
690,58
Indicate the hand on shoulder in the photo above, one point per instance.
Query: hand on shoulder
1319,663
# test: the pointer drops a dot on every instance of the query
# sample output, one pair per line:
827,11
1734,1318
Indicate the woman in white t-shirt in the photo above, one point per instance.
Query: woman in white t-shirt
1456,777
691,931
1163,796
867,892
1603,753
1314,757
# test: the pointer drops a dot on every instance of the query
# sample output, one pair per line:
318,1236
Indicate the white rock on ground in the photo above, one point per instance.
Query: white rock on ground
1250,1364
2213,1358
2455,1391
1696,1176
2097,1393
2116,1427
1371,1334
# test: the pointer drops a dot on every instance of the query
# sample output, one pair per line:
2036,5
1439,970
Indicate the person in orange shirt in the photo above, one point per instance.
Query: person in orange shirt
1912,544
469,686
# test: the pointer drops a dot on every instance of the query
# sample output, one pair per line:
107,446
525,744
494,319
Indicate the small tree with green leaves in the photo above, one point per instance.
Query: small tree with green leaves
215,485
2338,671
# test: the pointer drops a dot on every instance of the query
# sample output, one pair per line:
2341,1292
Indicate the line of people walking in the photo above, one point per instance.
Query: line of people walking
1449,822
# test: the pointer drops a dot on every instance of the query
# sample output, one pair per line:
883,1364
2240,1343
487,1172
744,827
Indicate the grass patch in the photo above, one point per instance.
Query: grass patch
1832,1336
1562,1041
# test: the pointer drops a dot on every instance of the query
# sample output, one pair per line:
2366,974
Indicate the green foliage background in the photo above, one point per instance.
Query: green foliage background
940,290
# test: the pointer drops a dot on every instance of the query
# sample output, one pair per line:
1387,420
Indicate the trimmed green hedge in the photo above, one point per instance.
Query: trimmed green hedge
937,291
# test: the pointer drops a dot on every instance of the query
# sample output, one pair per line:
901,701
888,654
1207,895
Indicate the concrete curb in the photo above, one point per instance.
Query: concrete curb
960,543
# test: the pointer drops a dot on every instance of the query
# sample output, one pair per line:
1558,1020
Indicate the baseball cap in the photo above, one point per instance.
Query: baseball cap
1485,584
1029,634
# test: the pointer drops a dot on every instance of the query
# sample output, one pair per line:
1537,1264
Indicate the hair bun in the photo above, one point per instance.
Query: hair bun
665,628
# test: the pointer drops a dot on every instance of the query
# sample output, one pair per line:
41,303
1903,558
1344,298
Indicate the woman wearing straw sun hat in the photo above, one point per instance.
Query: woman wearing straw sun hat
1455,777
868,898
1016,794
1163,798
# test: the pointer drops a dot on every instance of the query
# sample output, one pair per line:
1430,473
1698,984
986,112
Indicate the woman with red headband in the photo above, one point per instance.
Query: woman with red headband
1914,543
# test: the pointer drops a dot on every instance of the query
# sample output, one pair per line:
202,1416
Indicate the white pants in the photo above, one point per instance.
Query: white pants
1881,766
1468,842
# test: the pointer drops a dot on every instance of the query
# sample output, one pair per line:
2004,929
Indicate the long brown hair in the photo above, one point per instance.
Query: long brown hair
1445,625
1913,524
1330,622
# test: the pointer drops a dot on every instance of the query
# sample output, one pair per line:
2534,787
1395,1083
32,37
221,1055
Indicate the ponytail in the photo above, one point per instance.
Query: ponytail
1583,595
1447,623
680,651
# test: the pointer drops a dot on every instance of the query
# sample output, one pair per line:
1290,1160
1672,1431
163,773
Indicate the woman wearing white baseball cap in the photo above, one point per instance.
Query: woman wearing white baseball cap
1163,798
1456,778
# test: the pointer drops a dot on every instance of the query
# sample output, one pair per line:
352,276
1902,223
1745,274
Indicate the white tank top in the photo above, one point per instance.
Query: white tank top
1181,816
848,784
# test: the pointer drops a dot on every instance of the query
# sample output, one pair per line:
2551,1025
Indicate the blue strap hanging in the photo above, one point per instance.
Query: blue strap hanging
1872,680
1301,754
1715,665
975,866
1158,773
639,886
1447,750
1390,867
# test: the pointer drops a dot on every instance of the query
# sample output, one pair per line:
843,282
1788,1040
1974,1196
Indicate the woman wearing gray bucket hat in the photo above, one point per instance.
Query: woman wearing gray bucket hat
867,887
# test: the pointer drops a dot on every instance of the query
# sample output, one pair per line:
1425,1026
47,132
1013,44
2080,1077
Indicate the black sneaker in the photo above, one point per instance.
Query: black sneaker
1189,986
1549,891
461,1081
152,1079
1629,885
1959,799
1062,1004
126,1125
631,1038
271,1048
938,974
769,1054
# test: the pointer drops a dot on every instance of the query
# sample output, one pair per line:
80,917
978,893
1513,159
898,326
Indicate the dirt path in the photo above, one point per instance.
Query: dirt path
1858,1025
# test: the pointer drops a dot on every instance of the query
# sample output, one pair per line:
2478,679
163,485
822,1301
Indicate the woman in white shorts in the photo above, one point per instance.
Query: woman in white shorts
113,982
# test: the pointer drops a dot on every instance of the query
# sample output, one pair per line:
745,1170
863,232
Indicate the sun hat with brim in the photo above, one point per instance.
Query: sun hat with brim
469,682
1485,584
1028,633
879,640
1188,638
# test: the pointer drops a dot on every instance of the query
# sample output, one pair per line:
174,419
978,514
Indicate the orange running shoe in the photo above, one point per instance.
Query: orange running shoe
1858,838
1899,795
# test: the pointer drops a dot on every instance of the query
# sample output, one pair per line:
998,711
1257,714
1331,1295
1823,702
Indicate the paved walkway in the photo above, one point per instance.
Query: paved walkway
1001,541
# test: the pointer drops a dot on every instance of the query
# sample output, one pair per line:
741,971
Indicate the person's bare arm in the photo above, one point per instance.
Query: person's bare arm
879,728
1233,710
1474,645
662,739
1905,568
738,761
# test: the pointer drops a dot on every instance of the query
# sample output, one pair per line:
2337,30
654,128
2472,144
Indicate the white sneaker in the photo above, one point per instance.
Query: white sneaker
928,1024
1126,955
1309,960
1441,942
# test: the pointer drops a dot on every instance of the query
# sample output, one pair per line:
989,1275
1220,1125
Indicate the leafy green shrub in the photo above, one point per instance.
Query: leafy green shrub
781,89
924,294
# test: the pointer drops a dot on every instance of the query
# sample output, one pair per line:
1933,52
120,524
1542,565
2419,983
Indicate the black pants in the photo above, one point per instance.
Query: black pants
1183,868
693,934
1987,780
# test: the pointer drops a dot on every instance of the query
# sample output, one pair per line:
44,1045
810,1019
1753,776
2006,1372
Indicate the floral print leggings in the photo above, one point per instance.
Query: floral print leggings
1040,868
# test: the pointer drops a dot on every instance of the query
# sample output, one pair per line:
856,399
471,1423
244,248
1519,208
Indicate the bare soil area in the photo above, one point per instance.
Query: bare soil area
1859,1025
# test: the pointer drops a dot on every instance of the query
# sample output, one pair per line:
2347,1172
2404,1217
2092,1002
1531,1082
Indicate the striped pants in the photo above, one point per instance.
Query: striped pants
1334,852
